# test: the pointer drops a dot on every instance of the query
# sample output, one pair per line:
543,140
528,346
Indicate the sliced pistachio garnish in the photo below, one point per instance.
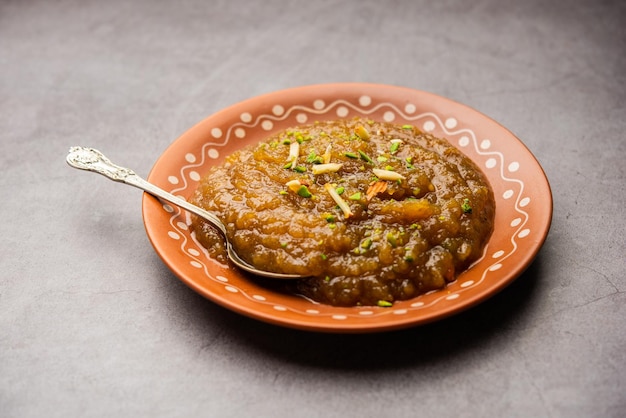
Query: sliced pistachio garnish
304,191
298,188
466,206
395,145
365,157
314,158
355,196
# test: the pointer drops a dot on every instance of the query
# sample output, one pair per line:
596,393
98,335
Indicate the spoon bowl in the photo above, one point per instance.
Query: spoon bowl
90,159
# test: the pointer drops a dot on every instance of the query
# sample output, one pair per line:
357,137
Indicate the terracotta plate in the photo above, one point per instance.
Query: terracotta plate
523,199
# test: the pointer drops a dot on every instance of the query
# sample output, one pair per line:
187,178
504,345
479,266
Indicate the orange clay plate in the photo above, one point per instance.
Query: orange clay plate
522,192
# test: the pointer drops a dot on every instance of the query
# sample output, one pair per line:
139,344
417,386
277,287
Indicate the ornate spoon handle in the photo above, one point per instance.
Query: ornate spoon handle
93,160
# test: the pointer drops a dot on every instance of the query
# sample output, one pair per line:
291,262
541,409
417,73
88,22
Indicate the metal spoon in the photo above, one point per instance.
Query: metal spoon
93,160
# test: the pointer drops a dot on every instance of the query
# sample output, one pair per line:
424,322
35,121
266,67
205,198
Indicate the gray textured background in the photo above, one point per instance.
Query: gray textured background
93,324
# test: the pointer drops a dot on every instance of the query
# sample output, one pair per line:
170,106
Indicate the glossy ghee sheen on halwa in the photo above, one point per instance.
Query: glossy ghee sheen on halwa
373,212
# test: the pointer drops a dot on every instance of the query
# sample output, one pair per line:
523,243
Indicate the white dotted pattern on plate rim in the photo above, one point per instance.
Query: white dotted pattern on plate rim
343,108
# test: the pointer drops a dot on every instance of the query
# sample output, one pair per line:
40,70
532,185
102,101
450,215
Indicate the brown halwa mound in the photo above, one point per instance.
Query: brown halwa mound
373,212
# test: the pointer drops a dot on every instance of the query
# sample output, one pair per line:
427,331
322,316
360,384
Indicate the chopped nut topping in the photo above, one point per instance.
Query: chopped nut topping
345,208
387,174
326,168
375,188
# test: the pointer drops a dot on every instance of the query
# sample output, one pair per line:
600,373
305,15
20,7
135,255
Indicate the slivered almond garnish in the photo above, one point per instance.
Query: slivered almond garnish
327,154
362,132
345,208
294,152
293,185
326,168
301,188
395,145
387,174
375,188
